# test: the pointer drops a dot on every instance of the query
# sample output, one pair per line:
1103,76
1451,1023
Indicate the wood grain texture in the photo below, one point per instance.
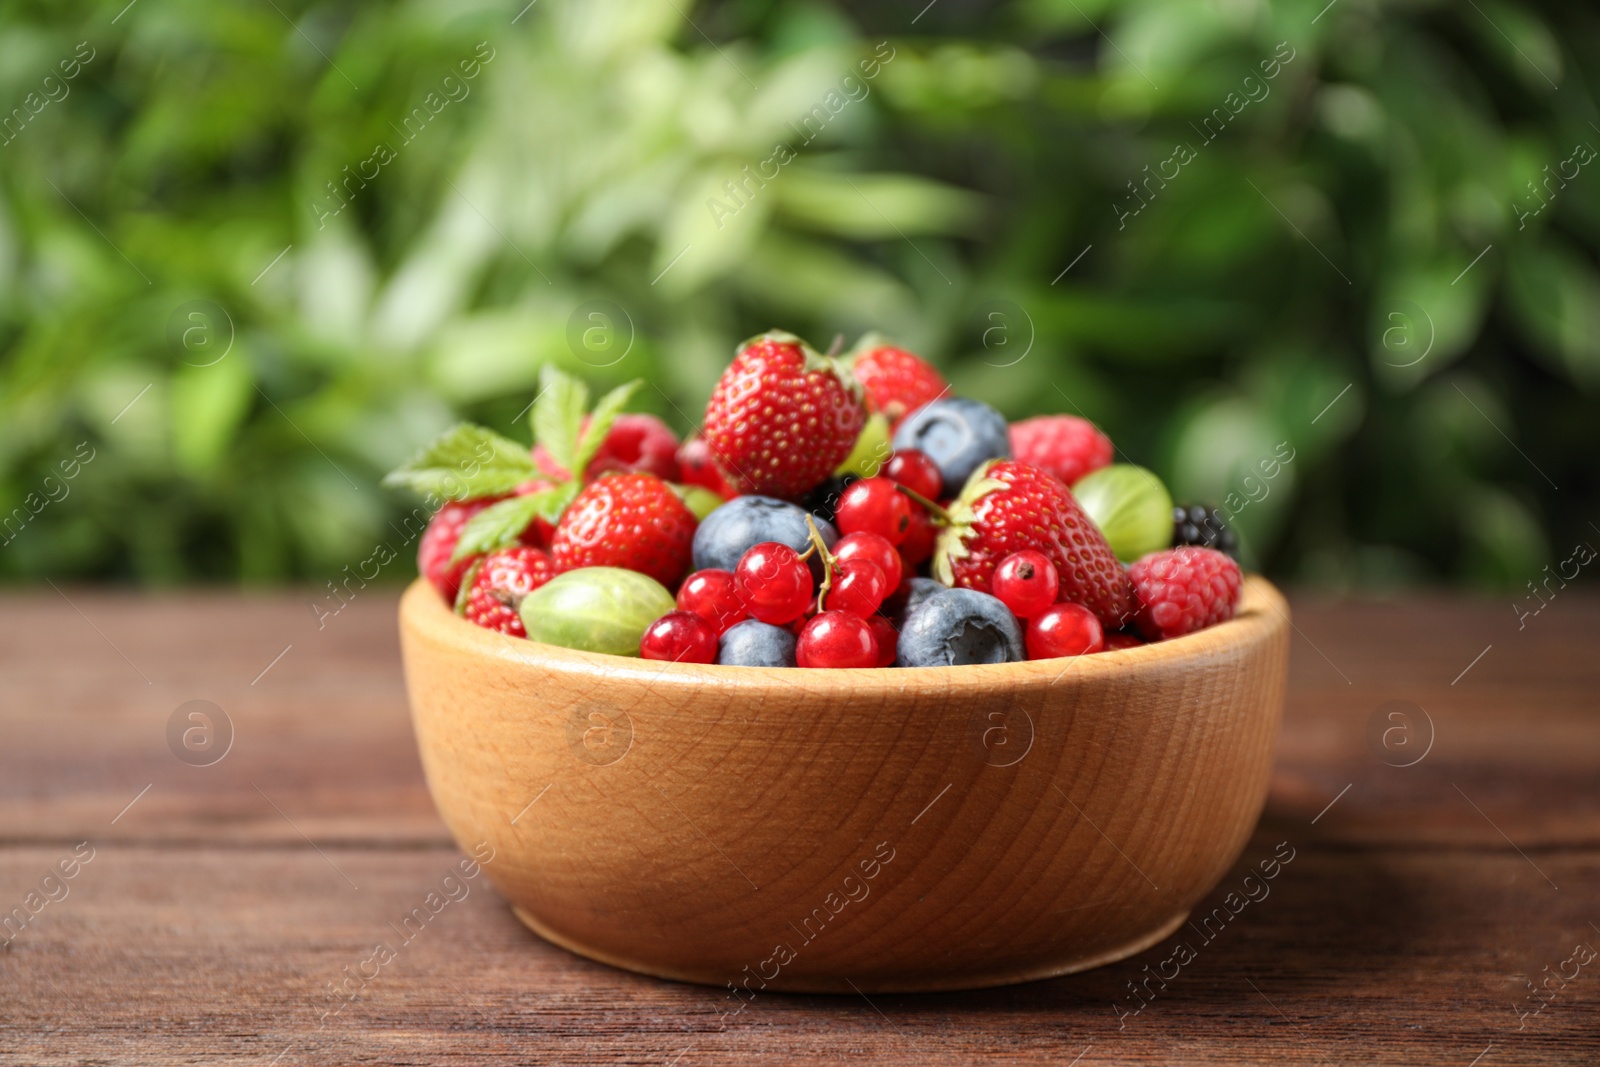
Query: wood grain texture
899,830
206,924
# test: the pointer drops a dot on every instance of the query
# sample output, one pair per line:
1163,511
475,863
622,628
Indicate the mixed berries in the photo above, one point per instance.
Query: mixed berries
830,513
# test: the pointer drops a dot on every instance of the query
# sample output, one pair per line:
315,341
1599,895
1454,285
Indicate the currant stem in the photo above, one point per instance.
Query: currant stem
941,517
828,561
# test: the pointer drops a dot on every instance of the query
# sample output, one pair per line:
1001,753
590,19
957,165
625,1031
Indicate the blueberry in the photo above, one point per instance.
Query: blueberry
756,644
746,521
958,434
959,626
920,589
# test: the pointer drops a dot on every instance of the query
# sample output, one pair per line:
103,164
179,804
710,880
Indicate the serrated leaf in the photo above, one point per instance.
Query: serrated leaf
605,413
496,526
499,525
465,461
557,414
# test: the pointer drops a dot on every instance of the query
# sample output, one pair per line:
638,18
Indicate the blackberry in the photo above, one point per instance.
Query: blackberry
1198,525
823,501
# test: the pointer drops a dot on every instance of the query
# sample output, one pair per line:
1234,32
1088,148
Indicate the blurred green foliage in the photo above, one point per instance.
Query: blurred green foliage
252,255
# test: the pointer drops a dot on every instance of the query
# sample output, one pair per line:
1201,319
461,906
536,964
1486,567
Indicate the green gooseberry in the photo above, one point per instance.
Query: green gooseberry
1131,507
595,609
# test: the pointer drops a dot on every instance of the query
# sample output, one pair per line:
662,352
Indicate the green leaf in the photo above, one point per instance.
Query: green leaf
499,525
605,413
465,461
557,414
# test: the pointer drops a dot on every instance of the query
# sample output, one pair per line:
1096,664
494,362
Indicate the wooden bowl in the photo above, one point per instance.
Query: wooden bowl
893,830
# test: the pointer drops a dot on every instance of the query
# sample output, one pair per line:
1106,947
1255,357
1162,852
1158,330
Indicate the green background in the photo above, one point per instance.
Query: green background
1355,257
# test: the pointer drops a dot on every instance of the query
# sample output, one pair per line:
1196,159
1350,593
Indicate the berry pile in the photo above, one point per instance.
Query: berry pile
831,512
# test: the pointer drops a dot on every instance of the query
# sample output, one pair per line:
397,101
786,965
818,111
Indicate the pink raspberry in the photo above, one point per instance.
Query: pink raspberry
506,576
1064,445
635,444
438,543
1184,589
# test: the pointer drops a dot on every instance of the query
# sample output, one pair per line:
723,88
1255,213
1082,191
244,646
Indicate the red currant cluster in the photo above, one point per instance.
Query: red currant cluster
886,536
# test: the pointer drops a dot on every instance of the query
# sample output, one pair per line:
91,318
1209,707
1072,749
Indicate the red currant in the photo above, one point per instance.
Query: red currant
1118,639
1064,630
711,595
773,582
874,549
915,471
680,637
888,639
1026,582
858,587
837,639
917,548
874,505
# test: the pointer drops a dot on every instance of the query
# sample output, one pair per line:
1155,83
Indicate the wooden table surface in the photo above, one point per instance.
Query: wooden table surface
1443,860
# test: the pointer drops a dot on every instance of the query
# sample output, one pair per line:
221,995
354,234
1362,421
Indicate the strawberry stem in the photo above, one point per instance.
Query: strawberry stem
837,346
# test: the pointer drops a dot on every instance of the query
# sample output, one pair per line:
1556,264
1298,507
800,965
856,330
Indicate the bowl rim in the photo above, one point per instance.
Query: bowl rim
1262,612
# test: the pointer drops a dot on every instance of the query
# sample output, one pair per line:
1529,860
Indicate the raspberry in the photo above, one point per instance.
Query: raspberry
438,544
505,577
635,444
1064,445
1184,589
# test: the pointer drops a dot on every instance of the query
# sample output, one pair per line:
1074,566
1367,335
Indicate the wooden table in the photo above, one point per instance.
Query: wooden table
210,906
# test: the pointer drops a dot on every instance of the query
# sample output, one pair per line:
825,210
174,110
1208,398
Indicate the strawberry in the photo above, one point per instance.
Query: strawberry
504,577
1064,445
634,521
635,443
782,417
697,466
1009,506
438,544
896,382
439,540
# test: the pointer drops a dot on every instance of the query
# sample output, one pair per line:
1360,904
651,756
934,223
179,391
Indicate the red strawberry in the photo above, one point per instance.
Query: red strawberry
1184,589
697,466
1009,506
439,542
782,417
634,521
635,444
896,382
504,578
1064,445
